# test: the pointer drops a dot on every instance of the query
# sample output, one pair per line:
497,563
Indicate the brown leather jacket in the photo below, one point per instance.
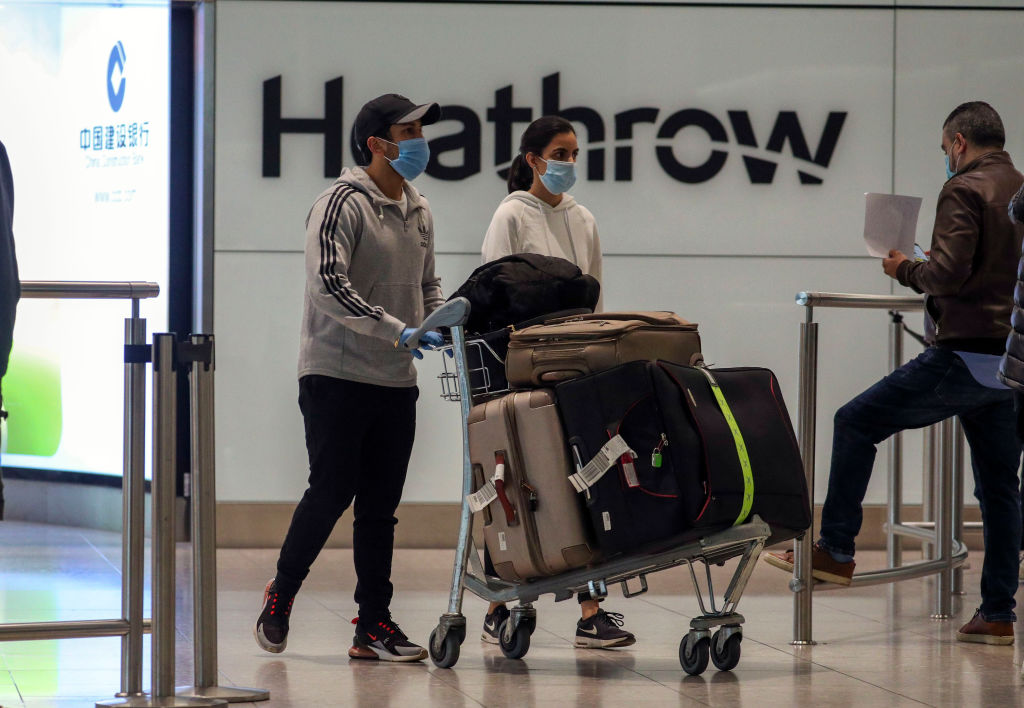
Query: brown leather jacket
973,268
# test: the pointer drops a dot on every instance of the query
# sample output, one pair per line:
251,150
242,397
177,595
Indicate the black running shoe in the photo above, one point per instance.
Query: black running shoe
603,631
385,641
271,628
492,624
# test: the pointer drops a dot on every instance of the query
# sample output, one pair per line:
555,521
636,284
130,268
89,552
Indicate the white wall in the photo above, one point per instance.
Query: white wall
725,253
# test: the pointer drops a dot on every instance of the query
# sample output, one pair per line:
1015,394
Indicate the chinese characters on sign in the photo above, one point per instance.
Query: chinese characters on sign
114,137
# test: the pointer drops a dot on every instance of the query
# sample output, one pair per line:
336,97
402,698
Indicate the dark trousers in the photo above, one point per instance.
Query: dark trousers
359,439
1018,405
934,386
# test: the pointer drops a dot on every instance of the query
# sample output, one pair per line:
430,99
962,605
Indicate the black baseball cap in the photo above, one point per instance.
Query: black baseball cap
385,111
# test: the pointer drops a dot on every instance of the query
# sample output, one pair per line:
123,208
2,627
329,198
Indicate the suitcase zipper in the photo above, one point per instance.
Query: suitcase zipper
594,337
662,443
691,403
515,452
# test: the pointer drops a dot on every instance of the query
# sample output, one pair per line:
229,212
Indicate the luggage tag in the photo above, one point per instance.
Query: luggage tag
488,493
579,467
612,451
629,471
479,499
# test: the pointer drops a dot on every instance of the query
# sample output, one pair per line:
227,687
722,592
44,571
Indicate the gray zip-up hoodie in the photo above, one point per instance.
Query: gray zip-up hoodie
524,223
369,274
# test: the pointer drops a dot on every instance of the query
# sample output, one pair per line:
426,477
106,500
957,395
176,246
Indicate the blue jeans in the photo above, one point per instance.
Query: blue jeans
934,386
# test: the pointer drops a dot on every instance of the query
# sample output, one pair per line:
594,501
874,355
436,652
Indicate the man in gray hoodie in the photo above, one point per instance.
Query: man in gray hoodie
369,283
10,286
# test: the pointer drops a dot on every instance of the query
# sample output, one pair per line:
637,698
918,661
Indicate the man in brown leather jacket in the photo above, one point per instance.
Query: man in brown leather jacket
968,283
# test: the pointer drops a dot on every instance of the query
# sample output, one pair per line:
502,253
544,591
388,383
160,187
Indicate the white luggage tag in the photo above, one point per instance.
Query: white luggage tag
602,462
487,493
629,470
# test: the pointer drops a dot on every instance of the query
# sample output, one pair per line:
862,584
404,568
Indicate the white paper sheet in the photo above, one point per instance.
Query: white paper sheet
890,223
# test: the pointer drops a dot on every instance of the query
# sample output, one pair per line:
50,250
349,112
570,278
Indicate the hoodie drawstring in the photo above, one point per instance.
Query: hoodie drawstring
572,245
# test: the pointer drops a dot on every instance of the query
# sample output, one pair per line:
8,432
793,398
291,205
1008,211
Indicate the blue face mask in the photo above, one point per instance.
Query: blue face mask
559,177
413,156
950,171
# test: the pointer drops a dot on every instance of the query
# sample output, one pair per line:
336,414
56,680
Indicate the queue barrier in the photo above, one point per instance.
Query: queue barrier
168,357
942,530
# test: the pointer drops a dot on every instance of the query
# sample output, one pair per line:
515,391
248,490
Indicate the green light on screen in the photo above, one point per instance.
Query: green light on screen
32,398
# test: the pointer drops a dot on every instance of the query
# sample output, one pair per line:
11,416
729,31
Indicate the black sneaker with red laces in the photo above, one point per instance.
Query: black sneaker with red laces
382,639
271,630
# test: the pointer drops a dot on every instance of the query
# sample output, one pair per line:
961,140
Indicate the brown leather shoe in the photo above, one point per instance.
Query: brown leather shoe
823,566
981,631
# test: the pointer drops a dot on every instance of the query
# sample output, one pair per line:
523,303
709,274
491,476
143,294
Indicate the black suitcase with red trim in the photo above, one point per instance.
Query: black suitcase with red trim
696,484
636,502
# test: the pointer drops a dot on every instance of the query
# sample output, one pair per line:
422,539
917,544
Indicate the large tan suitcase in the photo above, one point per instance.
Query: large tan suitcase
569,347
537,526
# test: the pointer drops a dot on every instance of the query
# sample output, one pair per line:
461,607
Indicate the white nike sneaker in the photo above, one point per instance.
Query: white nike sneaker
492,625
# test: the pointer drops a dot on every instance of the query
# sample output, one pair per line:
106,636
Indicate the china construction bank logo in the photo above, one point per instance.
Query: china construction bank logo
115,77
612,142
115,138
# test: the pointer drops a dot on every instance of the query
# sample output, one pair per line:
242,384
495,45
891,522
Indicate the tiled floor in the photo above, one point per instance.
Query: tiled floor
877,646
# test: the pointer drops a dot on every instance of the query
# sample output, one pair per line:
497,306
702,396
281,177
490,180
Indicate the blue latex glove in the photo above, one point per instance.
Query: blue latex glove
429,340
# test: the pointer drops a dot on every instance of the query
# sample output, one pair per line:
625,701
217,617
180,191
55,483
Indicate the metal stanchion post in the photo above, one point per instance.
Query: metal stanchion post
928,480
164,440
894,542
204,532
801,583
133,532
958,499
944,522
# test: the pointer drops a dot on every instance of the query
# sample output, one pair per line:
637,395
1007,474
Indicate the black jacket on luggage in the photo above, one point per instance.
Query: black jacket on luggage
522,287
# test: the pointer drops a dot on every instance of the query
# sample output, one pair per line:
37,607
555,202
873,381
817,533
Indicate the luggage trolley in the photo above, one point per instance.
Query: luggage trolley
697,646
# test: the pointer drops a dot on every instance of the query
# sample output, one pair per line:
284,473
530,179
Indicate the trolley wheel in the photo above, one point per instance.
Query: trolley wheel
693,655
449,650
520,643
729,655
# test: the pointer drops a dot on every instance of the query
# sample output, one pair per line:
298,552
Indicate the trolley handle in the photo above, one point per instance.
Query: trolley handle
453,313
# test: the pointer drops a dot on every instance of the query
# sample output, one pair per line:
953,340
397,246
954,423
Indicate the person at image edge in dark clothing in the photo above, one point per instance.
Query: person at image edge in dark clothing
10,286
369,283
1011,369
968,283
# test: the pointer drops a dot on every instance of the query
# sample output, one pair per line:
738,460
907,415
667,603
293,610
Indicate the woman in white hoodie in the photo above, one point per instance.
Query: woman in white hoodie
538,216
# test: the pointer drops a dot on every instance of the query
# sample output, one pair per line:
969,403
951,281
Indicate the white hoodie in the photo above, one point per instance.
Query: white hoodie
524,223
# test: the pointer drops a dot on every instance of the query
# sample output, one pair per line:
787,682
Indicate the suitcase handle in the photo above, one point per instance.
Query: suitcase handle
550,365
499,485
663,317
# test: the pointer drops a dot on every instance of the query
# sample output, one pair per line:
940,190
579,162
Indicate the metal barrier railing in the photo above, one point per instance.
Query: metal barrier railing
131,625
165,354
943,479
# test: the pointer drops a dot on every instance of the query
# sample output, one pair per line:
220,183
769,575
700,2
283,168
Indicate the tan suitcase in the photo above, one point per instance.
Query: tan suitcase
569,347
537,527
